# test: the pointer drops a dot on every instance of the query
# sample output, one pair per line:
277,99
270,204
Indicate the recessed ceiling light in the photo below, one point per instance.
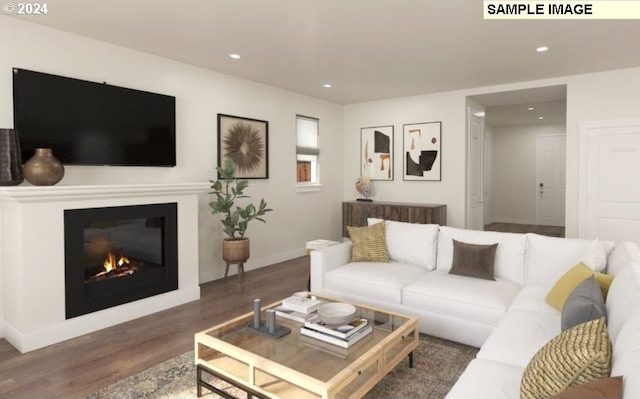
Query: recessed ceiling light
327,85
235,56
541,117
542,49
530,108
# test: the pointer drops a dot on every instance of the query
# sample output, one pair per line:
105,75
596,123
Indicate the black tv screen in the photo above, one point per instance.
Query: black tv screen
88,123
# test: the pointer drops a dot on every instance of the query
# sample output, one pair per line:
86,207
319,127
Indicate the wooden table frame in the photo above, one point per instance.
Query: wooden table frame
261,377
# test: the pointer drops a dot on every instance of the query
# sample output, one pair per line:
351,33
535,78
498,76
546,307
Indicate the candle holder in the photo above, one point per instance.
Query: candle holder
270,327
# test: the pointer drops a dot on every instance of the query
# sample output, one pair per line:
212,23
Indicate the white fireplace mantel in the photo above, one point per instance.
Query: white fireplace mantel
86,192
32,297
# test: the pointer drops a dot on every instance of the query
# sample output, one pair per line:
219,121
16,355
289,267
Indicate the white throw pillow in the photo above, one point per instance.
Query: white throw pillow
411,243
594,256
509,260
548,258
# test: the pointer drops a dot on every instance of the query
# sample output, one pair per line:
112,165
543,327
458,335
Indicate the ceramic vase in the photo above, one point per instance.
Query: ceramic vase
43,169
10,158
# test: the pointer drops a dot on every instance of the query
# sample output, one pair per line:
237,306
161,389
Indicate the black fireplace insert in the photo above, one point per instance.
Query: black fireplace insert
116,255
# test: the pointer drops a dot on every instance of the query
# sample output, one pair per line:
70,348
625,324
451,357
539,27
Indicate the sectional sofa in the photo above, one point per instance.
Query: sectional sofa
507,317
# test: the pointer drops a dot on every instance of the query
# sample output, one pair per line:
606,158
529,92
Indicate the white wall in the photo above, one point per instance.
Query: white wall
595,96
449,108
515,171
200,95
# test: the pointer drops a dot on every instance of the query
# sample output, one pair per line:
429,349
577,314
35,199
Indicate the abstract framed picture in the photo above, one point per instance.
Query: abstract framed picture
422,151
245,142
376,152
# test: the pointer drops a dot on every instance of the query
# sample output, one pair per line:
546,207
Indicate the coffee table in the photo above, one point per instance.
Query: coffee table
296,367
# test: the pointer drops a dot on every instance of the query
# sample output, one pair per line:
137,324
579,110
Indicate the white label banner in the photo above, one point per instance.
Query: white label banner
561,9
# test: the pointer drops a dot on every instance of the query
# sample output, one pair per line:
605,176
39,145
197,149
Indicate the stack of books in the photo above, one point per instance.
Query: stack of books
299,309
343,336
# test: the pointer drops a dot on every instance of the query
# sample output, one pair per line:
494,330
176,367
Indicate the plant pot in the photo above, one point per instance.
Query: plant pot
235,251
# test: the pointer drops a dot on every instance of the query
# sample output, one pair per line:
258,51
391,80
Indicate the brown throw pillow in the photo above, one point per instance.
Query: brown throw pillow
605,388
368,244
473,260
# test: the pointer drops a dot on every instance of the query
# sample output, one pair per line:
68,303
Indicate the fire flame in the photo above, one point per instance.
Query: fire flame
110,262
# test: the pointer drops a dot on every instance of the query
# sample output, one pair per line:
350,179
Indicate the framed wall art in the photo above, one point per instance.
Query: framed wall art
376,152
422,151
245,142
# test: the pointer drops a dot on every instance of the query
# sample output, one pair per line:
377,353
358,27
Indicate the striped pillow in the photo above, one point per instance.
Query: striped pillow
368,243
575,356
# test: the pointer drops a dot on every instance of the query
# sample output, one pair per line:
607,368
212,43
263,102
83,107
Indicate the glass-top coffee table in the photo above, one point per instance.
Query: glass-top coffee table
295,366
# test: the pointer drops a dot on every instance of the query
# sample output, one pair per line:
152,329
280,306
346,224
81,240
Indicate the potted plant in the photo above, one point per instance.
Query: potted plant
227,189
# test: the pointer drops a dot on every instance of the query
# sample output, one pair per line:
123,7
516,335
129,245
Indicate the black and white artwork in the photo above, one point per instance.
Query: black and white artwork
376,152
422,151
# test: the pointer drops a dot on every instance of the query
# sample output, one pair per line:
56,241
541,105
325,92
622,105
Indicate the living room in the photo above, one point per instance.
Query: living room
202,93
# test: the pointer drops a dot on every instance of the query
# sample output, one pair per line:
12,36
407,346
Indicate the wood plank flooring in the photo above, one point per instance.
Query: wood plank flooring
88,363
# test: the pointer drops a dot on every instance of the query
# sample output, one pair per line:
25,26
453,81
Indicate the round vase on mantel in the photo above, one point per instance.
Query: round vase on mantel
43,169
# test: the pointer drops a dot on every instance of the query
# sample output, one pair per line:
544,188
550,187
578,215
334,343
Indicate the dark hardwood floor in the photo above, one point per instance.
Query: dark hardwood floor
553,231
88,363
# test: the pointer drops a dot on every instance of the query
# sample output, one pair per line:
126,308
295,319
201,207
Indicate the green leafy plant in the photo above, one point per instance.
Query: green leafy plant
227,189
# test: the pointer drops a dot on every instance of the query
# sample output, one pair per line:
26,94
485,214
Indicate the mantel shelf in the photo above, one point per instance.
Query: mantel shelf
83,192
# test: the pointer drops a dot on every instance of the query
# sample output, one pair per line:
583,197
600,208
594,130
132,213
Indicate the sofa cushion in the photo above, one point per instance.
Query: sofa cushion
368,243
623,254
411,243
519,335
473,260
604,388
626,356
510,254
382,281
479,300
584,304
623,298
578,355
548,258
571,279
484,379
531,298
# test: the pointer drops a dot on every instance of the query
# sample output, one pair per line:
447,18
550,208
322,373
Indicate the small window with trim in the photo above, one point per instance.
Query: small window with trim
307,150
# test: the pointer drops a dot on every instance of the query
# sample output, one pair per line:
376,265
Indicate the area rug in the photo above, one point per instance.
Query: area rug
437,365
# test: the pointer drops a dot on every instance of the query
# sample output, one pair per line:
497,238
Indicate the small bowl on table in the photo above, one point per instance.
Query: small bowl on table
337,313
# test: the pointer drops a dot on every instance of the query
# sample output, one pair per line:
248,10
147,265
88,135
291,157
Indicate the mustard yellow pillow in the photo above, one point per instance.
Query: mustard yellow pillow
368,244
575,356
571,279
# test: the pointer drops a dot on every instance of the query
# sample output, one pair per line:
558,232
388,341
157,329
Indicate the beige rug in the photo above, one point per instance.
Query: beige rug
437,365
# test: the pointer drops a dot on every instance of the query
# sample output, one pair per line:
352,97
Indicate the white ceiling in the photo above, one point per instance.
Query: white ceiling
367,49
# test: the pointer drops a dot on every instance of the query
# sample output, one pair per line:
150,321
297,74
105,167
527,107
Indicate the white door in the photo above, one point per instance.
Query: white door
474,173
609,192
551,189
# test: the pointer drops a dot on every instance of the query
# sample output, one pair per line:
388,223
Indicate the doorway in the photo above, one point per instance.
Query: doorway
510,182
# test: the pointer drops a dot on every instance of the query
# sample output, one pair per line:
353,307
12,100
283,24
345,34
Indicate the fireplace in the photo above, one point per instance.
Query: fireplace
116,255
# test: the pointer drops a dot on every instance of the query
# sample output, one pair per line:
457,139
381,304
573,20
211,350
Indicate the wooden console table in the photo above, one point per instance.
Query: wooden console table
355,213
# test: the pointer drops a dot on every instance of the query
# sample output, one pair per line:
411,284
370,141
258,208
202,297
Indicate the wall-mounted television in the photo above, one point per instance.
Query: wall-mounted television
88,123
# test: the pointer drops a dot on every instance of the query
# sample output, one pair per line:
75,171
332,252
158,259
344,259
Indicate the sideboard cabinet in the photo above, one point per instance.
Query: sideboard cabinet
355,213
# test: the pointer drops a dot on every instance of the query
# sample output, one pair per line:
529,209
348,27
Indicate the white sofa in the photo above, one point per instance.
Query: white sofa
507,318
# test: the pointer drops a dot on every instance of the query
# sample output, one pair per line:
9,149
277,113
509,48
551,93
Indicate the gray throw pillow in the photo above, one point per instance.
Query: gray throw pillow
473,260
585,303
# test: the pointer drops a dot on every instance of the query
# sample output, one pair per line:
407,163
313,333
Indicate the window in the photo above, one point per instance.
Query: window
307,151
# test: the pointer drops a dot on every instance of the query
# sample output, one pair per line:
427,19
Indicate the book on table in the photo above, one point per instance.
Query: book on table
332,339
285,312
302,304
342,331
